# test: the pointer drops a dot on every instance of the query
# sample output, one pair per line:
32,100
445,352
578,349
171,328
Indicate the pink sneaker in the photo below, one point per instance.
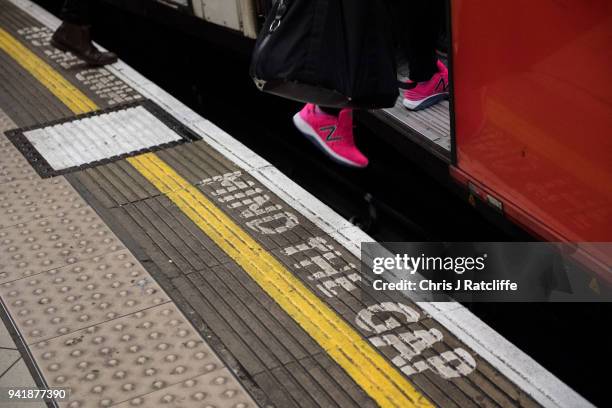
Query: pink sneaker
422,95
333,135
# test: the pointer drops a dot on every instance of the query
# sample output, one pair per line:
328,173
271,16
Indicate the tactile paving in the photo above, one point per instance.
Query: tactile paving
98,81
6,123
213,390
25,200
13,166
64,300
40,245
125,359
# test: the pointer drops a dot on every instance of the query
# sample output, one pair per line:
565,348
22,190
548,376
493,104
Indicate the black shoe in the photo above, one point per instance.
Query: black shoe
77,40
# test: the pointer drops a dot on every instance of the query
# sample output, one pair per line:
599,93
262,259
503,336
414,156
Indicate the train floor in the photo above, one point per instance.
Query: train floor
149,259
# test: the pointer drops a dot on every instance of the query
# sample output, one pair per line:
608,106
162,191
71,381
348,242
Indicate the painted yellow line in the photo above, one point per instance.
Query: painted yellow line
381,381
71,96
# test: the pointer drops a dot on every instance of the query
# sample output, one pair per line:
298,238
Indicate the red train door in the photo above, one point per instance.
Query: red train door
533,112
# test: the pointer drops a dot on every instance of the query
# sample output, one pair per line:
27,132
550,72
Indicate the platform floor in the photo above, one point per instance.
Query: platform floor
149,259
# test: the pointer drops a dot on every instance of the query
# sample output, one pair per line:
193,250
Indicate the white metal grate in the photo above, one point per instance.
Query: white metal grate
101,137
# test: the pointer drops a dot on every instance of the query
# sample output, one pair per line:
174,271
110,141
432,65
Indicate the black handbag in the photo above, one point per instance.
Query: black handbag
335,53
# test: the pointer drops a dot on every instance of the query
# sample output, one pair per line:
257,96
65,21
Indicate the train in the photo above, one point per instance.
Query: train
533,117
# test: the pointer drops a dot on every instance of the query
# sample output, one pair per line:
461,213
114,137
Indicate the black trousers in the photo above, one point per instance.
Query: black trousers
417,25
76,12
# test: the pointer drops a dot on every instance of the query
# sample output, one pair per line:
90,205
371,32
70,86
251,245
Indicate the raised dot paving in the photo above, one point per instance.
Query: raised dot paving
6,123
13,166
208,390
25,200
125,359
40,245
94,319
66,299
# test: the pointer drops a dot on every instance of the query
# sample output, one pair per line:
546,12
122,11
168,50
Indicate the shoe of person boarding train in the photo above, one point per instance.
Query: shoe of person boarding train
332,134
421,95
77,40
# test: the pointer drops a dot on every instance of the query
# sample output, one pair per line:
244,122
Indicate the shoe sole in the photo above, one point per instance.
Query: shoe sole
424,103
311,135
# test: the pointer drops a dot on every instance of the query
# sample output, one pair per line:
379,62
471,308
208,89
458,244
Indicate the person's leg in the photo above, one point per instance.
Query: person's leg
76,12
74,34
417,26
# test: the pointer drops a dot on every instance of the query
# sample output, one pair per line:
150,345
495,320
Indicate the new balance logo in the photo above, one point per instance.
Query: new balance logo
331,130
442,85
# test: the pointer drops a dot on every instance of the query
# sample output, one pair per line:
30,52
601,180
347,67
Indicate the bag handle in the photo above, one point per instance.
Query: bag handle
280,13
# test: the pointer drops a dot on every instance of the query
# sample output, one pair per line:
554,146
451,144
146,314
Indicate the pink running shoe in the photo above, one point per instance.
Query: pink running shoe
333,135
422,95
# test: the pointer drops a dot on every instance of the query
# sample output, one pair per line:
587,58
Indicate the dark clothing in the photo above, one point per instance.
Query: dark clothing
330,111
417,25
74,35
76,12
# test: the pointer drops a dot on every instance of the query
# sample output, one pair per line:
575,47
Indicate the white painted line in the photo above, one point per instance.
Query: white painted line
526,373
298,198
92,139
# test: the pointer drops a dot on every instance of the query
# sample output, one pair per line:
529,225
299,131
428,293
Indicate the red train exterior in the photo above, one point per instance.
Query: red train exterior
533,115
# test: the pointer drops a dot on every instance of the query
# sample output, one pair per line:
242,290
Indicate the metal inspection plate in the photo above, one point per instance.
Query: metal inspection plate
103,136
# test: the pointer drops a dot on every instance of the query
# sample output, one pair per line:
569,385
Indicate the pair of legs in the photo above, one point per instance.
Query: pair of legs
74,34
417,25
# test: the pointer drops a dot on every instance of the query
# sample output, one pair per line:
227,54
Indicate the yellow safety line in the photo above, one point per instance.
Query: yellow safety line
381,381
378,378
72,97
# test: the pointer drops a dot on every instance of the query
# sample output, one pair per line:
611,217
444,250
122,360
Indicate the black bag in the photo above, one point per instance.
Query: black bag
335,53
